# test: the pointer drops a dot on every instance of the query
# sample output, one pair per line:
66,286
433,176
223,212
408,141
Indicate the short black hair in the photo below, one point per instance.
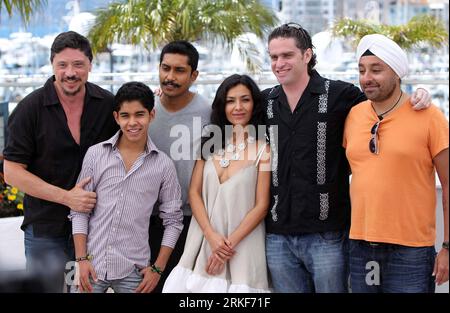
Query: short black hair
71,40
182,47
368,52
134,91
302,38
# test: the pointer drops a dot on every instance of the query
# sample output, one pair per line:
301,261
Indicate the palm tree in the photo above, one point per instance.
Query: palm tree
24,7
155,22
420,29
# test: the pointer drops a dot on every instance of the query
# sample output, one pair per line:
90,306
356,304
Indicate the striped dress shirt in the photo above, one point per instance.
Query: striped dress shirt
118,228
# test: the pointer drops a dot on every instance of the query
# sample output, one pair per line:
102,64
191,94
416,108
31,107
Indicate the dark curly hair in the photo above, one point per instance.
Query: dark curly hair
302,38
218,115
134,91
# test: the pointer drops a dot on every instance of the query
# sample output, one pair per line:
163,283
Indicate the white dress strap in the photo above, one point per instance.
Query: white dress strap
260,153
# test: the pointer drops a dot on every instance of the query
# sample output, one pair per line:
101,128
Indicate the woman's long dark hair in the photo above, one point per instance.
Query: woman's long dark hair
218,115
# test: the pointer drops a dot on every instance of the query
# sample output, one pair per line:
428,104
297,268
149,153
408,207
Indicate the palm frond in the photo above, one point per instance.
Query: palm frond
153,23
24,7
420,29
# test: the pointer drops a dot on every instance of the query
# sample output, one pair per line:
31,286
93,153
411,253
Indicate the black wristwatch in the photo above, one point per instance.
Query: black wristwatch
445,245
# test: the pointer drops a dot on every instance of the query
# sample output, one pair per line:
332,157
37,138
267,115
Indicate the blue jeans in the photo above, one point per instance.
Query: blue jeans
382,267
46,259
308,263
123,285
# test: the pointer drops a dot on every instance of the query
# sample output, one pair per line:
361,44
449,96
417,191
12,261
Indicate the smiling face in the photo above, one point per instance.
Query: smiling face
288,62
176,75
377,79
71,68
134,120
239,105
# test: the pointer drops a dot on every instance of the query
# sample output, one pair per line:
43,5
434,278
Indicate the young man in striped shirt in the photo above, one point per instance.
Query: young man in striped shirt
128,174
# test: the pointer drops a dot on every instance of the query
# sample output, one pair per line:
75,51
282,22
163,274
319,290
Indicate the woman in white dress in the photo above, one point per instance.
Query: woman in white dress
229,196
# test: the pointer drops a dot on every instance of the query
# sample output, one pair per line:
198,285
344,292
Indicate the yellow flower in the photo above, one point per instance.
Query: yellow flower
14,190
11,197
20,206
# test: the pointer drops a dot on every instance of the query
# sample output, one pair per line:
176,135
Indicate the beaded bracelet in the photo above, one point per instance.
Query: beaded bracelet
156,269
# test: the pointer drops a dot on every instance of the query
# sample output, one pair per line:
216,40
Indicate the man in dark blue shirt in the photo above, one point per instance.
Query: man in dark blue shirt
49,134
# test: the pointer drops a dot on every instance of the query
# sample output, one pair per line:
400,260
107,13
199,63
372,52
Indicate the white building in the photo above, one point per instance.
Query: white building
440,9
317,15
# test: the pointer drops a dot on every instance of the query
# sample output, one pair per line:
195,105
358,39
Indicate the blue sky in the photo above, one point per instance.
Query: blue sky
46,21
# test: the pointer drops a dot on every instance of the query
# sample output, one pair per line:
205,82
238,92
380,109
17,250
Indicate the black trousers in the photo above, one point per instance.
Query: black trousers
156,234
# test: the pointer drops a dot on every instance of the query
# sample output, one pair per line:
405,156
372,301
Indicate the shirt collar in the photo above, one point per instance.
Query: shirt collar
113,141
51,97
316,83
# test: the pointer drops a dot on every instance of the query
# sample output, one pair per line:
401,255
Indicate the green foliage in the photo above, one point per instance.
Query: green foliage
11,200
420,29
156,22
24,7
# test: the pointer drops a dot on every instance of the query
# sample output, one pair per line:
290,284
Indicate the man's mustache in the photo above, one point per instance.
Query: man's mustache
370,85
171,83
71,78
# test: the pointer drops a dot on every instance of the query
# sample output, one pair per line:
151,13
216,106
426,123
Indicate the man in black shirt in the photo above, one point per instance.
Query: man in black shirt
49,134
309,216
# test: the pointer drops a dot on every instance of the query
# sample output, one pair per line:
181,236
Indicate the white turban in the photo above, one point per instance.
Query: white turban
387,50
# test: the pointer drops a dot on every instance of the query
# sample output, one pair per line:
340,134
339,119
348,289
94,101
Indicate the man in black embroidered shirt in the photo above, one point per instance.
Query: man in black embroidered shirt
49,134
309,217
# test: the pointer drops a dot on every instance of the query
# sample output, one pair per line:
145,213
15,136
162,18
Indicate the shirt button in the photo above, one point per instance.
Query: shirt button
293,132
109,247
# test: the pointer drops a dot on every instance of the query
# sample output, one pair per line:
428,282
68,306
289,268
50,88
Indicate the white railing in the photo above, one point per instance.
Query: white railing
208,78
14,87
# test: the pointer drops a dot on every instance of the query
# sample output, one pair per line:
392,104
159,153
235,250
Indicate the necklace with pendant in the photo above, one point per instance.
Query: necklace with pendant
235,150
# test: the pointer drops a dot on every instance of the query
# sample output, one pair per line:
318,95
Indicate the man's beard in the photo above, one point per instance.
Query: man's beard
67,92
386,95
71,93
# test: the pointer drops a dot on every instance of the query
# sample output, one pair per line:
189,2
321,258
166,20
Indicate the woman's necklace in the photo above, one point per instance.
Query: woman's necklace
380,116
234,150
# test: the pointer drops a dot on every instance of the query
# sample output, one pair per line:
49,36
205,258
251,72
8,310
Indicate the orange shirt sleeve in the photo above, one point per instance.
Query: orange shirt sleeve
438,136
344,137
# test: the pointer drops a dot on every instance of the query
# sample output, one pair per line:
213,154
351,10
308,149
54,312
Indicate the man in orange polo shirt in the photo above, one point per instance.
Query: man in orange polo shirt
393,152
